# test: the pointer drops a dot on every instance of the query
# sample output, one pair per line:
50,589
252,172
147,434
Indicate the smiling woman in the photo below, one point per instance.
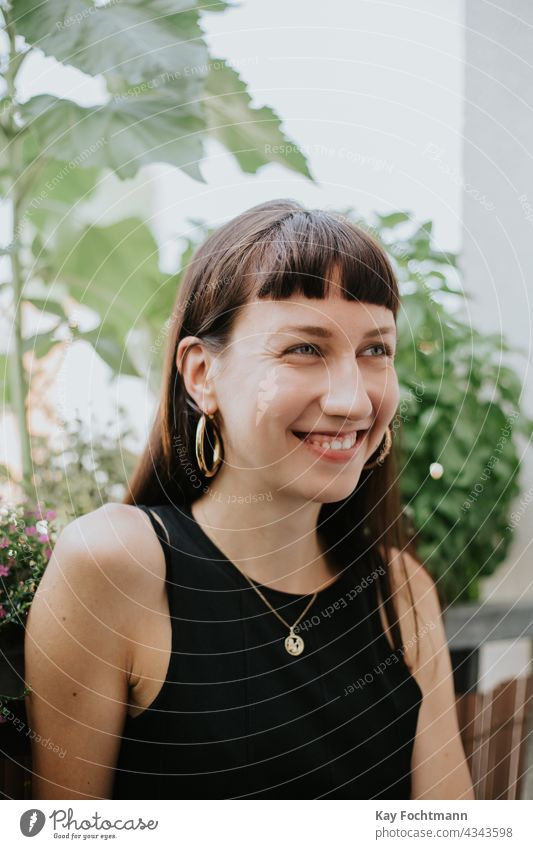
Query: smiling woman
266,498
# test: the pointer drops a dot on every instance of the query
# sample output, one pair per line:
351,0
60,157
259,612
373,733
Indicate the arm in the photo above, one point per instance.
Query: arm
77,661
439,767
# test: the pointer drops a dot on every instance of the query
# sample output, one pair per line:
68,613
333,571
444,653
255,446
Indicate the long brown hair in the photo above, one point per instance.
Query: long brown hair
272,251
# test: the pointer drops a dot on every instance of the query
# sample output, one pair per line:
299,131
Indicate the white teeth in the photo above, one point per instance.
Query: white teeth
335,444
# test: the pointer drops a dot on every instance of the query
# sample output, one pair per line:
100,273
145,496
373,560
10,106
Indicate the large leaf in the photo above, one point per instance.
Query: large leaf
111,349
123,134
253,135
114,270
51,189
134,39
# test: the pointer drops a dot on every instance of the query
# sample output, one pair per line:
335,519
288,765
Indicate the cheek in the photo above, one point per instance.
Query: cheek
259,401
276,397
393,395
389,389
386,396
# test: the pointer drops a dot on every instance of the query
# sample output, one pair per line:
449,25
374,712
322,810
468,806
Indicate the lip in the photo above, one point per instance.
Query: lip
336,433
335,456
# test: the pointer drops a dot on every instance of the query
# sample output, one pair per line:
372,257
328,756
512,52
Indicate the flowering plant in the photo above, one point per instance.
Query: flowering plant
27,537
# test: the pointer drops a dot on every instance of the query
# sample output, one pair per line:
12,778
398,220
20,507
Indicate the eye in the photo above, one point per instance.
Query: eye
384,350
387,349
314,349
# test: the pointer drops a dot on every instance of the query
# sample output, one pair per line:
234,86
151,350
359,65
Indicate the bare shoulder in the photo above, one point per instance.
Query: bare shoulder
80,652
110,553
107,527
115,534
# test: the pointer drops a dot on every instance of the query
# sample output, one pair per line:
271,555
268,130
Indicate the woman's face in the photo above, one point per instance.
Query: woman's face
276,378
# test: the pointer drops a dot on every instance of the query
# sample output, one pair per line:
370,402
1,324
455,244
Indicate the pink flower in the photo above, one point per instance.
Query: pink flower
3,571
12,529
42,538
2,612
48,553
4,543
30,531
2,719
51,514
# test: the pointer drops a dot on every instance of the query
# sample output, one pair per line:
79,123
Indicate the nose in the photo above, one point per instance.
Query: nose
346,395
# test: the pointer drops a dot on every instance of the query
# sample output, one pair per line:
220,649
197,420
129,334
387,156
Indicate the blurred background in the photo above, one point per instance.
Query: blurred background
414,118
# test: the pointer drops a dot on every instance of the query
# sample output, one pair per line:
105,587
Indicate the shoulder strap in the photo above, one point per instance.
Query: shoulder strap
161,523
161,532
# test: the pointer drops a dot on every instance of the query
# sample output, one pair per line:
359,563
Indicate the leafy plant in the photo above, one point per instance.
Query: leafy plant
88,469
459,423
164,96
27,537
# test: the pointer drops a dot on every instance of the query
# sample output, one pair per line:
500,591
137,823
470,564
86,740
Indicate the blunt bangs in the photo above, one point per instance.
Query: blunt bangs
312,251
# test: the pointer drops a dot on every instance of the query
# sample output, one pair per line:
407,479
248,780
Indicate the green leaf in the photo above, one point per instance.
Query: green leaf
134,39
110,349
123,134
393,219
253,136
57,187
114,270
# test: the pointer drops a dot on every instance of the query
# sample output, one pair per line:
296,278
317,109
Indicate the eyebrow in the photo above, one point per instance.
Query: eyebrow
324,333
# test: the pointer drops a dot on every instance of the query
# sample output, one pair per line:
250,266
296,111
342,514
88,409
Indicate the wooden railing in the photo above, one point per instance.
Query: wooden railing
495,728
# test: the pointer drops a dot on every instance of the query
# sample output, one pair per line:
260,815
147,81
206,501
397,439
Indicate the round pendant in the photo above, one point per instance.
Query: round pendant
294,644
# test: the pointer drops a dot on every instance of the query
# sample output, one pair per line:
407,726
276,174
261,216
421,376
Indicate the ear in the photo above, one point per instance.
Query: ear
193,363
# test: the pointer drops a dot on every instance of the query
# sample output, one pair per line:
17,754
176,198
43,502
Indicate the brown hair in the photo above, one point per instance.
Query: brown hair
272,251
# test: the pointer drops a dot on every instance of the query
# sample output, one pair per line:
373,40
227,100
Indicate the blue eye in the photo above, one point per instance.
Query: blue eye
299,347
387,350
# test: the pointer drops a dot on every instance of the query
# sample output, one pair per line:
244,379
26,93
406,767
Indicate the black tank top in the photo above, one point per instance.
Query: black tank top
238,717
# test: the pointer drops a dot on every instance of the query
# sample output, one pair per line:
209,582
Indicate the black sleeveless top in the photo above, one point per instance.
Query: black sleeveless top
238,717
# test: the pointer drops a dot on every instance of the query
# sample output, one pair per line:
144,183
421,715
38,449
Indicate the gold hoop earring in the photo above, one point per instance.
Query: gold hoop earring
384,451
199,446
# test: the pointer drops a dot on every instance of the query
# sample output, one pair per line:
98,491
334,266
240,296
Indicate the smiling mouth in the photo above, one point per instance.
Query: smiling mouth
341,444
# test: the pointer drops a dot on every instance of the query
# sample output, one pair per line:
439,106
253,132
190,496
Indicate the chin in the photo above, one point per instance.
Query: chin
332,494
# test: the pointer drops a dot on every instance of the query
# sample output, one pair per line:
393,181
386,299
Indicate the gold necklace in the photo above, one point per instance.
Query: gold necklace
294,644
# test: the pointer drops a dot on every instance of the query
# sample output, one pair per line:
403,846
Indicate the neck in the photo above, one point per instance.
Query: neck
274,546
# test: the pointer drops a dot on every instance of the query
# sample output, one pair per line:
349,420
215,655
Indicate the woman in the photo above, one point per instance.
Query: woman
249,624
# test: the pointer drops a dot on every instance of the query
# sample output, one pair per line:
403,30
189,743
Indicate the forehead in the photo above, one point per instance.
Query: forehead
335,314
